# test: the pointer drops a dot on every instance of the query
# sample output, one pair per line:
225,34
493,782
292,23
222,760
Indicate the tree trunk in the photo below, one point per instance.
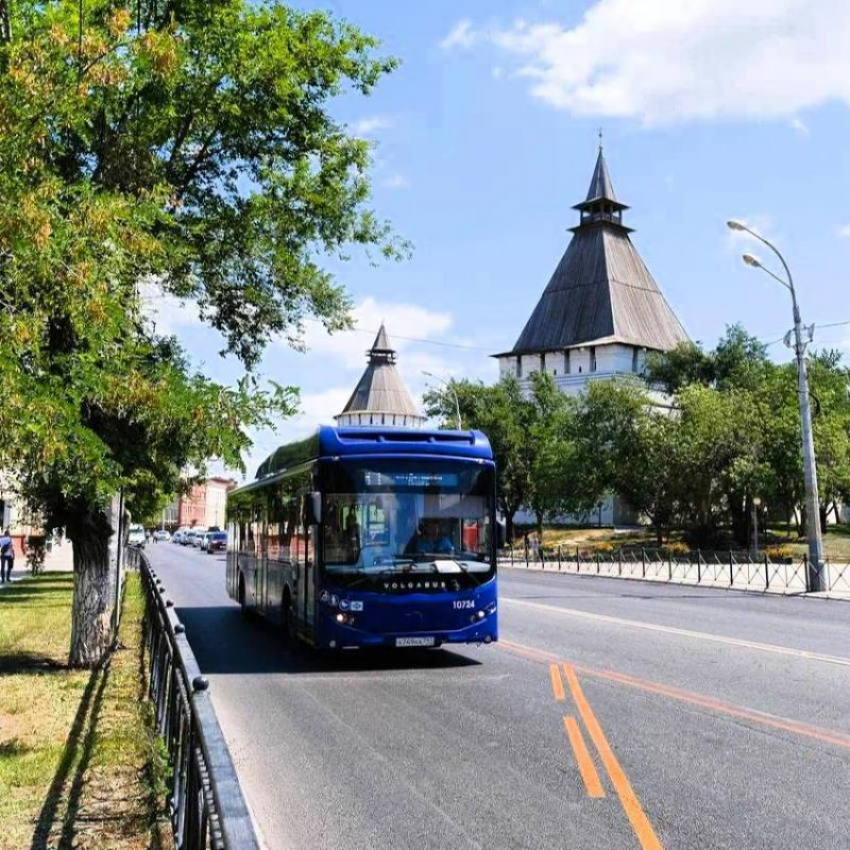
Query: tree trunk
94,591
5,25
509,527
539,516
659,535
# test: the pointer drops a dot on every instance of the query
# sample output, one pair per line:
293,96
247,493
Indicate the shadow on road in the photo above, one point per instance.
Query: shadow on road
225,641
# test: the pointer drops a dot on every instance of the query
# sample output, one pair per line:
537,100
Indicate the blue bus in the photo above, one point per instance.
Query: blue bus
370,537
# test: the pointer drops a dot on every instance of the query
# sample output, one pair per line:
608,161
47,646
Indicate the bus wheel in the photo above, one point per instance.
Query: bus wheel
287,618
242,596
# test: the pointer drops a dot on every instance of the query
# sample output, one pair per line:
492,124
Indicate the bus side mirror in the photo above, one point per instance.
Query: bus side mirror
501,534
314,509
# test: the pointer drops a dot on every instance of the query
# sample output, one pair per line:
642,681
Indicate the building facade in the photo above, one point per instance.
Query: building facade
203,506
381,397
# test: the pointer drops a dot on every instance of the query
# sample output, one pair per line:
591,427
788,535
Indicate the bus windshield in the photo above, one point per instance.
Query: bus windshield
385,517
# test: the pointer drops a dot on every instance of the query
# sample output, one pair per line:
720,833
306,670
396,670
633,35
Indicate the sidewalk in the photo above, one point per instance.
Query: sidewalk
784,580
59,560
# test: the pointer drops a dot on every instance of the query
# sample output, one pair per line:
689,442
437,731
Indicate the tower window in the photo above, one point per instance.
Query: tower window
634,360
519,366
567,362
592,358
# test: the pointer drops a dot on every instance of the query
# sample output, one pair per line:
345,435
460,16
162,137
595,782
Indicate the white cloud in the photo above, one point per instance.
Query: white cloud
800,127
401,320
844,231
461,35
396,181
496,72
167,313
367,126
666,61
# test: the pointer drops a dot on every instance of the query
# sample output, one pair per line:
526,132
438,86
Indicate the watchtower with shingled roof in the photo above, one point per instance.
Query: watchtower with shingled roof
602,311
381,397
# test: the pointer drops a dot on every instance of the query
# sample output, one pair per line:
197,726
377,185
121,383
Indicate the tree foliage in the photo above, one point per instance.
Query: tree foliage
179,147
532,440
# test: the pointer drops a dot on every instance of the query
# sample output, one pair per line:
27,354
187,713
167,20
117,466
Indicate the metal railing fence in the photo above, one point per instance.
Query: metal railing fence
731,569
205,801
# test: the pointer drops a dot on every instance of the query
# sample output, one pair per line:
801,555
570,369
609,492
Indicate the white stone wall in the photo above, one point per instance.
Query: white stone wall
611,359
393,420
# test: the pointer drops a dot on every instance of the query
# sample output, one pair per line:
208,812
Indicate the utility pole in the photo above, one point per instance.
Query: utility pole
818,578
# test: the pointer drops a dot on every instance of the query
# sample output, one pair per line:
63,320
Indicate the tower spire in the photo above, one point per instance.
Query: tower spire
601,203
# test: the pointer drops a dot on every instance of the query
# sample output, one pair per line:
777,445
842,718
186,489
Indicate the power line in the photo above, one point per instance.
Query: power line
410,338
817,326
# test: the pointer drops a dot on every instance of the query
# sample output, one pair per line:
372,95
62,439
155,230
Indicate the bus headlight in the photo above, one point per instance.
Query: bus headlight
344,619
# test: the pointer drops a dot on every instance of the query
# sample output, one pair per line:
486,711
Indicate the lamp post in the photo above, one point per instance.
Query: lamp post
817,577
451,389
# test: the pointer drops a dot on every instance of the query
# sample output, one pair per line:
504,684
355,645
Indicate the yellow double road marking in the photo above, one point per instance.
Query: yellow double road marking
557,682
634,811
587,769
760,718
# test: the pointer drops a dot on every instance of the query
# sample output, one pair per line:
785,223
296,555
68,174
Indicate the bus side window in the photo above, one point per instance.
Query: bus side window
274,528
305,538
290,519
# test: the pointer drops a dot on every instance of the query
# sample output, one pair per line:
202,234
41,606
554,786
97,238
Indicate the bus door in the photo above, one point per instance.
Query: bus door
312,578
262,558
307,573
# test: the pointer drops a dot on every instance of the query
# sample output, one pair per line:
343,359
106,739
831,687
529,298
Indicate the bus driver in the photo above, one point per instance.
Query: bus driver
431,541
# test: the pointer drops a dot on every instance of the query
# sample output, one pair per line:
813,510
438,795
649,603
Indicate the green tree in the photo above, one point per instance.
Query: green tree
628,445
555,485
175,147
738,361
499,411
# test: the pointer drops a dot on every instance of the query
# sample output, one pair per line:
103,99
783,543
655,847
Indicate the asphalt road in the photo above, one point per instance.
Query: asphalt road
612,714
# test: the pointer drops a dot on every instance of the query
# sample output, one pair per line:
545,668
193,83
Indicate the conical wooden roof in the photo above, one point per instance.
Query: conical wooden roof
601,291
381,389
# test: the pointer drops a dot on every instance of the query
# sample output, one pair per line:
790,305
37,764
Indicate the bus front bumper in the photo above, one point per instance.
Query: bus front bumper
336,635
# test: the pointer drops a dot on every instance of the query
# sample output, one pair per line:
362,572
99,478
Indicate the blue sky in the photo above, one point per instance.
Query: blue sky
486,136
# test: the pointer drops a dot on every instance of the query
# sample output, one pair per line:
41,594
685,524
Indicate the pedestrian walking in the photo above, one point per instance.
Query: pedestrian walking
7,556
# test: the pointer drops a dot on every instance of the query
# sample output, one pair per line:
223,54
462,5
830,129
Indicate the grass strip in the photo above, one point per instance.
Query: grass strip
80,765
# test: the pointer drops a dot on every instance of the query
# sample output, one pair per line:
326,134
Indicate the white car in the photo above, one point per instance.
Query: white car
137,536
161,534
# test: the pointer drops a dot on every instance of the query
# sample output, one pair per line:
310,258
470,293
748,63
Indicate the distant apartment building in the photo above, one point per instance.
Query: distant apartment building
15,516
204,504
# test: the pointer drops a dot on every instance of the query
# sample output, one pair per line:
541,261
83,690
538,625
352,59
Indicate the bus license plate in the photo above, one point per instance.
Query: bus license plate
415,641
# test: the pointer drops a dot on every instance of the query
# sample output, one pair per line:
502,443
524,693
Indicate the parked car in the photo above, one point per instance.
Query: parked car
217,542
161,534
195,536
137,536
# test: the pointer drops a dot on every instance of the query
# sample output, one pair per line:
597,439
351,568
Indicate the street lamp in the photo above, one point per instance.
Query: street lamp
452,390
818,579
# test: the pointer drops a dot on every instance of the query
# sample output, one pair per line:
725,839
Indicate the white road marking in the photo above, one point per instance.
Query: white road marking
672,630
